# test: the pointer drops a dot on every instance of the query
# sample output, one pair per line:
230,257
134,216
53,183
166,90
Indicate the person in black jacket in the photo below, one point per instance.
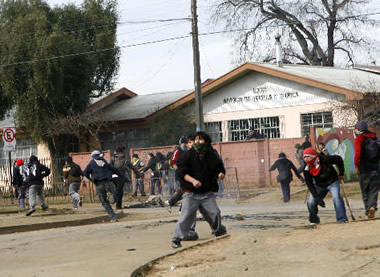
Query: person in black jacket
321,178
101,175
155,174
198,172
19,181
285,176
36,172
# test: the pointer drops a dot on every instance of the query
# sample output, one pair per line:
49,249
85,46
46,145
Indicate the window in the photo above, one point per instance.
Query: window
134,138
267,126
318,120
214,129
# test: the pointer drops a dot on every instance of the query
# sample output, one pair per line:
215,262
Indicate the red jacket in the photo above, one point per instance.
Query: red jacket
358,146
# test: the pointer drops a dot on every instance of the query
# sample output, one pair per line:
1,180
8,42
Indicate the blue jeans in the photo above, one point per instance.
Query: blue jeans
340,209
164,176
155,180
171,182
73,191
101,191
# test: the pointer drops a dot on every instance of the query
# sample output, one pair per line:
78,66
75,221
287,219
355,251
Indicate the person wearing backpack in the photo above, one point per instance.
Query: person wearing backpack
367,152
321,178
19,181
285,176
154,166
36,172
73,174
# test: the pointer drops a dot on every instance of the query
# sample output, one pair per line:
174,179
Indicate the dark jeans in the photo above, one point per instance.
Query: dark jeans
175,198
119,183
101,190
155,180
285,190
369,185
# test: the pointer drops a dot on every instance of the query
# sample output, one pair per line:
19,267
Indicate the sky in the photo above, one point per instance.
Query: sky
167,66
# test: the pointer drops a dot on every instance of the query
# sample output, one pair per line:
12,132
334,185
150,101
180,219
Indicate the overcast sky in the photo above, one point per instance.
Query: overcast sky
168,65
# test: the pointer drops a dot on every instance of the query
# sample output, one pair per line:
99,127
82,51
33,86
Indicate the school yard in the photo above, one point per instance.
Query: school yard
265,238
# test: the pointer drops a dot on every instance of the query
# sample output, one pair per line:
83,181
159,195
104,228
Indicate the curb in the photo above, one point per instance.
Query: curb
141,270
57,224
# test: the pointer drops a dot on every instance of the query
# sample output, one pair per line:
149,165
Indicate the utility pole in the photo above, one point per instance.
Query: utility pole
197,68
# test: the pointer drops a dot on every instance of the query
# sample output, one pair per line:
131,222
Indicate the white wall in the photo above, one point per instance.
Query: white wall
260,95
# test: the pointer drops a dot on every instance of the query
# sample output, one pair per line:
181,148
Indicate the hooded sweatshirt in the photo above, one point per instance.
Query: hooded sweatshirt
363,164
101,170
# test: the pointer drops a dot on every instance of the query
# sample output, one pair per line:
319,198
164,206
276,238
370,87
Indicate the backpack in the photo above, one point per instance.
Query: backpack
75,170
371,149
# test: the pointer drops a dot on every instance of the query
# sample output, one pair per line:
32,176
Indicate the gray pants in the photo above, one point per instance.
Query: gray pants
23,193
369,185
206,203
73,191
36,191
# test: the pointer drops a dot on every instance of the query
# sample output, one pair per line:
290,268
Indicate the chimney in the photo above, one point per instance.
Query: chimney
278,51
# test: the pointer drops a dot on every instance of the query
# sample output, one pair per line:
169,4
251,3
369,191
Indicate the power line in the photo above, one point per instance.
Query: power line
98,51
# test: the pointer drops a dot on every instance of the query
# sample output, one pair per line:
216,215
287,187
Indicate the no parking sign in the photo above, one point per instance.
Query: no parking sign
9,138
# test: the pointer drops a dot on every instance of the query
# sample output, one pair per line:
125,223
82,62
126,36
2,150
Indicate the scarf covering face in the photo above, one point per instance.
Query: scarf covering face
314,164
201,149
98,158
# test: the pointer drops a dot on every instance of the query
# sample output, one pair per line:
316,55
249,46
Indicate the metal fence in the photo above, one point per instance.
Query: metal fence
55,189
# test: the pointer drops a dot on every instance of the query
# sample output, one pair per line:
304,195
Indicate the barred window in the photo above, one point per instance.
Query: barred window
267,126
318,120
214,129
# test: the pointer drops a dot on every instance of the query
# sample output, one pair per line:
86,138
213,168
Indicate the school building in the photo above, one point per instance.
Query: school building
281,102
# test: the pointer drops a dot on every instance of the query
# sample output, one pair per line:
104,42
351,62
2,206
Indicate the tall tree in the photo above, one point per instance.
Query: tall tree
53,60
313,32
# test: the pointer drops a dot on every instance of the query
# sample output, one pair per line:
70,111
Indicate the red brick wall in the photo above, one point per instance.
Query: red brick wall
252,159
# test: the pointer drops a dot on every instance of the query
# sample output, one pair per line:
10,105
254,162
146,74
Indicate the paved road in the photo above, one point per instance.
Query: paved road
116,249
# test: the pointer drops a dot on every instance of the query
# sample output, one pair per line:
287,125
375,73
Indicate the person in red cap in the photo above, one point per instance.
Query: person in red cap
321,178
367,166
19,181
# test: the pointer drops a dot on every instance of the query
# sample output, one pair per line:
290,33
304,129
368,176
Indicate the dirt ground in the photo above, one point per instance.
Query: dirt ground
280,242
266,238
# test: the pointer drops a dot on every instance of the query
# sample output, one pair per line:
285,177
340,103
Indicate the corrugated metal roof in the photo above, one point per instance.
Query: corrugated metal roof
348,78
142,106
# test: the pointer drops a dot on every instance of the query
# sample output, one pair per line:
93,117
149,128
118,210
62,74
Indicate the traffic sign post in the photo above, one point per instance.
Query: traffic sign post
9,139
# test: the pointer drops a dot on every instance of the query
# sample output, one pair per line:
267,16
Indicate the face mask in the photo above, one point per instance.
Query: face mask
358,132
183,147
201,148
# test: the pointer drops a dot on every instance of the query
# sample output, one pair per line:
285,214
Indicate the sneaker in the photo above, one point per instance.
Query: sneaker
192,235
371,212
45,207
176,243
80,203
32,210
114,220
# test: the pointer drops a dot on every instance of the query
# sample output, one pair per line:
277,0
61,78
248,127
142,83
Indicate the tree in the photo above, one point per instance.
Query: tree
366,108
166,129
54,60
313,32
